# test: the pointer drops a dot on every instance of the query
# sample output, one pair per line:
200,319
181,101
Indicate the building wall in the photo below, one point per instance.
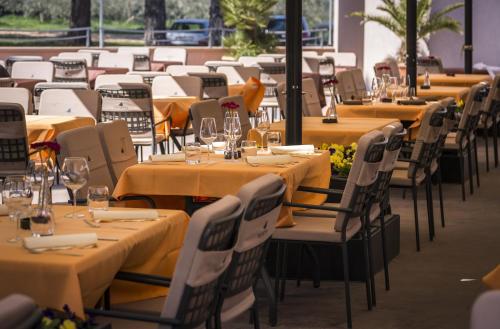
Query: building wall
351,33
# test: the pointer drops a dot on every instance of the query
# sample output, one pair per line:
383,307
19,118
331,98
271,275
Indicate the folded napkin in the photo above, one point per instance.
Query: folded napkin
59,241
176,157
353,102
293,149
412,102
4,211
269,159
136,214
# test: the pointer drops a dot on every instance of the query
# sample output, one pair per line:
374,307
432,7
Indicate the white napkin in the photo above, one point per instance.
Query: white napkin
176,157
135,214
59,241
293,149
269,159
4,211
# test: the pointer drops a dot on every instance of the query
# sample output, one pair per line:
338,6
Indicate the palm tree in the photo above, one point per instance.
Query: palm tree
427,23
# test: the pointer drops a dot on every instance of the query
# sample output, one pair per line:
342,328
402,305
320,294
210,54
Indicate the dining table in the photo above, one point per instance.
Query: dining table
78,277
435,93
217,177
457,80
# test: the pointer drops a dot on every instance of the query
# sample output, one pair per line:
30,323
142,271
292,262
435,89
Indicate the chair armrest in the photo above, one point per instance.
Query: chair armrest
319,207
134,316
153,280
320,190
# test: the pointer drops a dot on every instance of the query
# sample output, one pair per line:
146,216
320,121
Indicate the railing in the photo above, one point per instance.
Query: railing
15,33
316,36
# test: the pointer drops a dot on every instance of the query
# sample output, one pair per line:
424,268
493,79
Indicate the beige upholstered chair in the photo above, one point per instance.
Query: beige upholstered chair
242,112
126,61
206,109
310,64
430,64
239,75
214,84
141,57
7,83
118,147
382,68
177,86
87,57
345,87
254,60
417,173
281,97
485,313
95,54
115,79
70,102
311,99
70,70
14,156
177,70
214,65
490,119
359,82
170,54
42,86
351,214
262,199
21,96
19,312
33,70
342,60
196,283
12,59
148,76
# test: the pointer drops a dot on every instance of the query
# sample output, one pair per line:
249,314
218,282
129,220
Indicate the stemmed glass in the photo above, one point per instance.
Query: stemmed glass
232,131
208,133
75,174
17,196
262,125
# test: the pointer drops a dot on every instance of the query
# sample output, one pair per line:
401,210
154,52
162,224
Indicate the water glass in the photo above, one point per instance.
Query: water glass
208,133
98,198
273,138
248,148
193,153
17,196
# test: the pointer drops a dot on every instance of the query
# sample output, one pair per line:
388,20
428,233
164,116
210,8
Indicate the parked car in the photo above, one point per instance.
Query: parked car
188,32
277,25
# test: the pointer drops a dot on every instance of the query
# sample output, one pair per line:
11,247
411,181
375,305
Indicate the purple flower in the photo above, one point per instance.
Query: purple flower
54,146
230,105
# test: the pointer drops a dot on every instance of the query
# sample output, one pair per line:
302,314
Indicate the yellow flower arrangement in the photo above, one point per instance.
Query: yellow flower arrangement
341,157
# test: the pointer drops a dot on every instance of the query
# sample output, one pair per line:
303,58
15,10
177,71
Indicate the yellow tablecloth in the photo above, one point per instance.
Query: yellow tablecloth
460,80
54,279
346,131
492,279
440,92
176,109
219,178
252,92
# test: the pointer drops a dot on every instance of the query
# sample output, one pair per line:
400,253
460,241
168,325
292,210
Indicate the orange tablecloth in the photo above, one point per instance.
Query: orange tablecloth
252,92
219,178
460,80
176,109
492,279
54,279
346,131
440,92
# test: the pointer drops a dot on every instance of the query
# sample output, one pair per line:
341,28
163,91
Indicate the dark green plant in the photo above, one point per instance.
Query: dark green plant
249,18
427,23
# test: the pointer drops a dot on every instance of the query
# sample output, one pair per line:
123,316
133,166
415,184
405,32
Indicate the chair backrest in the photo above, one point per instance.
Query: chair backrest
342,59
493,99
242,112
96,53
204,257
133,50
186,69
132,103
176,86
393,64
359,82
42,86
21,96
213,65
311,97
271,68
345,86
170,54
326,66
449,103
262,199
141,57
239,75
84,142
117,146
309,53
206,109
485,313
281,97
430,64
3,71
382,68
254,60
7,82
13,140
70,70
214,84
310,64
33,70
148,76
469,113
71,102
19,312
87,57
12,59
362,177
112,79
116,60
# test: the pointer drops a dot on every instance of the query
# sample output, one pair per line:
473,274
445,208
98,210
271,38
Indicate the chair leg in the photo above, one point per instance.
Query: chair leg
469,160
440,192
254,311
347,288
384,251
277,271
162,148
283,272
486,147
299,264
415,213
370,264
495,142
476,161
462,173
430,206
273,311
317,269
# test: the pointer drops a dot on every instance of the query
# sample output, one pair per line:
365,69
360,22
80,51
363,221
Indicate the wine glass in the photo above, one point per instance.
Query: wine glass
208,132
17,196
262,124
75,174
232,131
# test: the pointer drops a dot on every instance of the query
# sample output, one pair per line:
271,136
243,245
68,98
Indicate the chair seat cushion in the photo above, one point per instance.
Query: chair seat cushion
374,212
318,229
400,178
235,305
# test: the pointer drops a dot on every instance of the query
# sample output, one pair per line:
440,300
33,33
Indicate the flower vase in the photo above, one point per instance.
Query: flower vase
42,219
